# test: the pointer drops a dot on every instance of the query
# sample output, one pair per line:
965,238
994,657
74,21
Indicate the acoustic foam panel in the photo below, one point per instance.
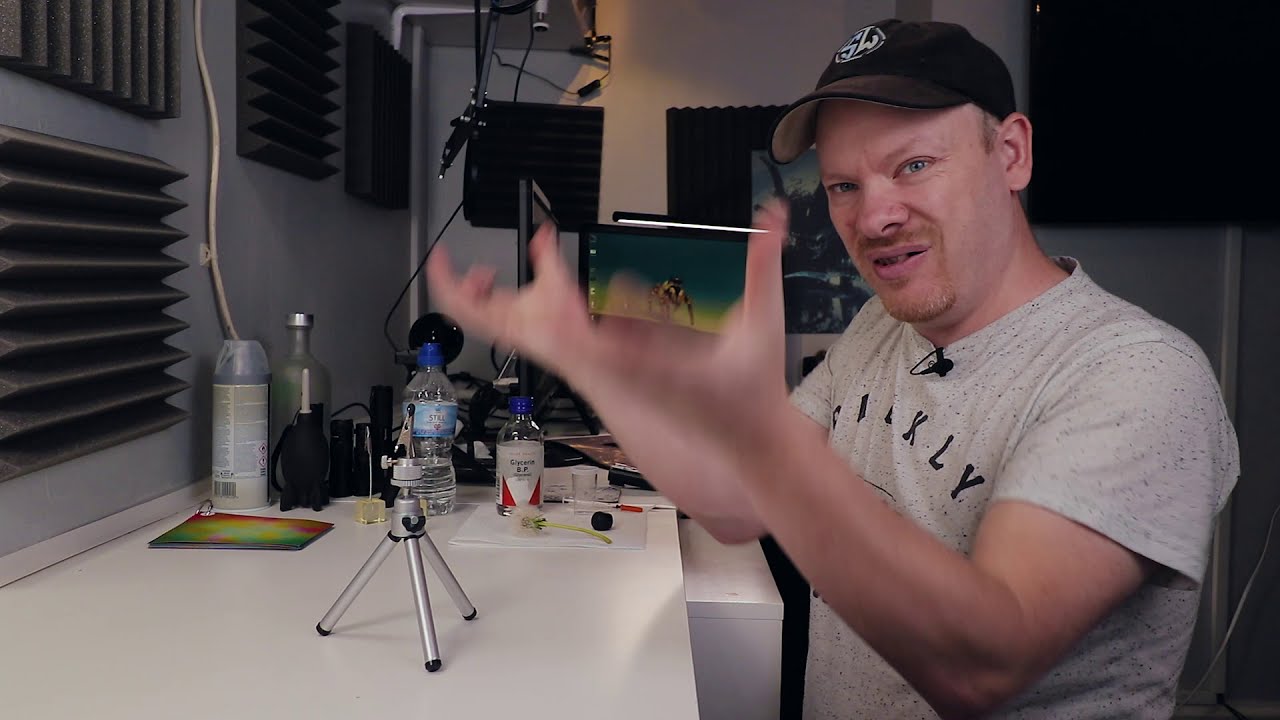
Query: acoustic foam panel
126,53
83,355
378,113
558,146
283,66
709,161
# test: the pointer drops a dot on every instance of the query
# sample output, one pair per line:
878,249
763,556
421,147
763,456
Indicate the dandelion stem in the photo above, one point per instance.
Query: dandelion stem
588,531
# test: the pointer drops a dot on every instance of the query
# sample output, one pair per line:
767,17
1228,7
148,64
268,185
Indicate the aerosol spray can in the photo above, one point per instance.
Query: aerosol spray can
241,382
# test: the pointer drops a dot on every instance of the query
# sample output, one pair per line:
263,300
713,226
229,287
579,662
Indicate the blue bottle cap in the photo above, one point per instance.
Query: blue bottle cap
430,355
521,405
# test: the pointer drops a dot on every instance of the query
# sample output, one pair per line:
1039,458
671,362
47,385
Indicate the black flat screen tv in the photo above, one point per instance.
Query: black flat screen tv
1154,111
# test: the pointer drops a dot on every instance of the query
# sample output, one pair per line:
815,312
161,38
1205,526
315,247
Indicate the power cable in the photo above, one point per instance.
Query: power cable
386,324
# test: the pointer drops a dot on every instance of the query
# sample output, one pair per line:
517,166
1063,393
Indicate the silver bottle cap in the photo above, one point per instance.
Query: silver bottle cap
301,320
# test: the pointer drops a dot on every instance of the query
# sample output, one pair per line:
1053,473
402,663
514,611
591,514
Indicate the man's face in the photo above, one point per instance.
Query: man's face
920,203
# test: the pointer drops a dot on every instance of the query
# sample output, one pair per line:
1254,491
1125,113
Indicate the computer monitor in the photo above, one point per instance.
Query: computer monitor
689,277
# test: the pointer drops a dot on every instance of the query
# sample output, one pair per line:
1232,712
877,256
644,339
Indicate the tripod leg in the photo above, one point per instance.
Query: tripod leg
426,624
450,582
380,553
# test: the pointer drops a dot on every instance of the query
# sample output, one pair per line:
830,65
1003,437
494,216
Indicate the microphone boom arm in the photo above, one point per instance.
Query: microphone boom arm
465,125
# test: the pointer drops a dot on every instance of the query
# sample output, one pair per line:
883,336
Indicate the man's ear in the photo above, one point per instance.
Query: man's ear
1013,145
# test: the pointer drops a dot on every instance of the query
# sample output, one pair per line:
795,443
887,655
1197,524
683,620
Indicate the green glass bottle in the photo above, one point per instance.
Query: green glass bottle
286,377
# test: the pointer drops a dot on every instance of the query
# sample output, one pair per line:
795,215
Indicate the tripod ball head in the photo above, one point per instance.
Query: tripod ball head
405,472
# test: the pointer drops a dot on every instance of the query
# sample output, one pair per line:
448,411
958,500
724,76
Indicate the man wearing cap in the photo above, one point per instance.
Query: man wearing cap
1000,482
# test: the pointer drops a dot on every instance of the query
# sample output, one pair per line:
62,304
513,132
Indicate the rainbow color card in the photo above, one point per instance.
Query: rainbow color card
248,532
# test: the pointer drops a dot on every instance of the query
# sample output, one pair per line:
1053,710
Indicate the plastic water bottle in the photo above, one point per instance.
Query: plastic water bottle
520,455
435,417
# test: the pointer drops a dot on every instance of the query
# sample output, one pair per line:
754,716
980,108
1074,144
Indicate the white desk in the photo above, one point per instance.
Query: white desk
735,627
124,631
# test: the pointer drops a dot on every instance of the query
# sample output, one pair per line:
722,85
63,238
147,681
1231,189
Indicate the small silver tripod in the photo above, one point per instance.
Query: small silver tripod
408,523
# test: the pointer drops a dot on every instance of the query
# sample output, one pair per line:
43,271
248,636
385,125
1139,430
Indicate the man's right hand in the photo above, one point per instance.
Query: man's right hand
549,323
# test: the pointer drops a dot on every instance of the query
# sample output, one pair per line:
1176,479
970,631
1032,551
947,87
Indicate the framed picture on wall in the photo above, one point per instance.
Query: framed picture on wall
822,289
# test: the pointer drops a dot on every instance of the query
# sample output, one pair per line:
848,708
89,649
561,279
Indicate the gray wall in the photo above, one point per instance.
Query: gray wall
719,53
286,244
1254,655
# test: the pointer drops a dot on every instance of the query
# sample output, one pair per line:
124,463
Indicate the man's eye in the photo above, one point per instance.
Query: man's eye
841,187
915,166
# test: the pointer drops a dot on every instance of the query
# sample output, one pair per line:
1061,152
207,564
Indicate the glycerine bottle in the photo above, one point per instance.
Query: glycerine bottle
518,475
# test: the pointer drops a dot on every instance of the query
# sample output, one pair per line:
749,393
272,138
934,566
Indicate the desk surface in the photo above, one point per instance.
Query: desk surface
124,631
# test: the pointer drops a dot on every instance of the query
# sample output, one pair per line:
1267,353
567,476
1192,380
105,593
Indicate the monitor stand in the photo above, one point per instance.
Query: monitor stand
547,389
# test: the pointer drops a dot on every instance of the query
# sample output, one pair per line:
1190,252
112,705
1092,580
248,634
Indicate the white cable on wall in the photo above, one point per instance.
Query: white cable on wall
215,157
1244,594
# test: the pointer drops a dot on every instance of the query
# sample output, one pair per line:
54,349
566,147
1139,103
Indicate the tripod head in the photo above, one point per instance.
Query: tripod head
406,472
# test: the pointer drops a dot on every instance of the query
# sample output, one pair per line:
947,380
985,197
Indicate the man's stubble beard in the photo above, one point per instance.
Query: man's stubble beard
937,299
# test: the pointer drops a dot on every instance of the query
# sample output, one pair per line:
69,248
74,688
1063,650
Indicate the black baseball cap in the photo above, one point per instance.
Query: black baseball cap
905,64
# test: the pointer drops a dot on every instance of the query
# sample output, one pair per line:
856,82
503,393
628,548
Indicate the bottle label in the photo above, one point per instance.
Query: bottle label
433,420
239,446
520,474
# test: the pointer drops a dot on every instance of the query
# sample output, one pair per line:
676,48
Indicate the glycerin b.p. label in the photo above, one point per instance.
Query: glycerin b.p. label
518,474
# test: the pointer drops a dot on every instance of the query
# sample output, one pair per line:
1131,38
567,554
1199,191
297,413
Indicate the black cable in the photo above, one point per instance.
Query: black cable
475,25
608,63
386,324
1222,700
496,7
513,9
493,358
462,376
348,406
561,88
598,83
515,96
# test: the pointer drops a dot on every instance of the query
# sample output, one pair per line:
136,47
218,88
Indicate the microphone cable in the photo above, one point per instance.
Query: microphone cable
940,367
386,324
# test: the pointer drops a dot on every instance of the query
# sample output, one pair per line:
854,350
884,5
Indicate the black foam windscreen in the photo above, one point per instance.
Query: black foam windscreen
437,328
558,146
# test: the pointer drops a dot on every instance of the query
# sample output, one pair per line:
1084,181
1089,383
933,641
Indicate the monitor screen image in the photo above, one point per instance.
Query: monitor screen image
686,277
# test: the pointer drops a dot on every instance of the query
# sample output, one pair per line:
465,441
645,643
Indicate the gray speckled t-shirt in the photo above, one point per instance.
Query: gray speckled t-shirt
1078,402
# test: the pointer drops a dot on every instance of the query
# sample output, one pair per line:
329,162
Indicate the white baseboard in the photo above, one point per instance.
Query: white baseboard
37,557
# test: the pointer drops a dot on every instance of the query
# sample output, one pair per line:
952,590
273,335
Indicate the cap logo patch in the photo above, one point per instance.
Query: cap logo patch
866,40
